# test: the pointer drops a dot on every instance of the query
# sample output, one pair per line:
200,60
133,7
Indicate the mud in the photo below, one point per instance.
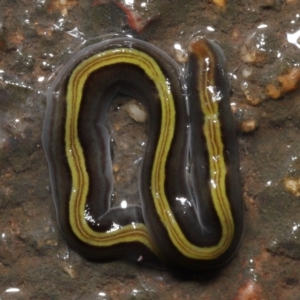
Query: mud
37,37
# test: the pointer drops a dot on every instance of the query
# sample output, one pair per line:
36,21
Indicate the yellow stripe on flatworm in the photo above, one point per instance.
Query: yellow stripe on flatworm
74,151
212,132
80,179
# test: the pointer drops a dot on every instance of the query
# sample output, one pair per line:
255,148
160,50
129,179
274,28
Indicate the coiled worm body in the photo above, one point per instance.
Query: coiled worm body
191,213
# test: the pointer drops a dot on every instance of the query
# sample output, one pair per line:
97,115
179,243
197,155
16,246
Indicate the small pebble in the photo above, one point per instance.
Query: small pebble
220,3
292,185
248,125
116,168
247,71
69,270
285,83
180,53
272,91
252,94
136,112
